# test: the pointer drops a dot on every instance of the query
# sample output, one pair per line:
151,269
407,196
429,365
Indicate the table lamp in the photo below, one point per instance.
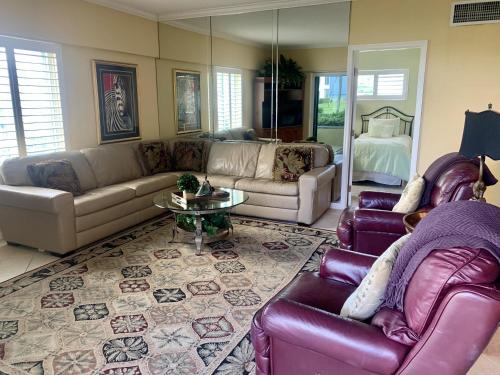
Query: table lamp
481,138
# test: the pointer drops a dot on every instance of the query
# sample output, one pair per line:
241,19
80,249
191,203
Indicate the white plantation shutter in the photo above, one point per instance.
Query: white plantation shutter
31,120
8,137
229,99
383,84
391,84
40,100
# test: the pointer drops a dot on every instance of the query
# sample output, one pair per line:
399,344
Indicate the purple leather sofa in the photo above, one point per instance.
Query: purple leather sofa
372,227
451,310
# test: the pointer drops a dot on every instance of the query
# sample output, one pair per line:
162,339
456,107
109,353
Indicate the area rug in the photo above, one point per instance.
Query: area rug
138,304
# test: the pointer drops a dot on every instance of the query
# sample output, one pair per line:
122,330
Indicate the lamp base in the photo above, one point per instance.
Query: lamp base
479,186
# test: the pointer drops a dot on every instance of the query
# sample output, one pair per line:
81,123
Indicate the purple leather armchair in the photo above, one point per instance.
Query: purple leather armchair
447,322
372,227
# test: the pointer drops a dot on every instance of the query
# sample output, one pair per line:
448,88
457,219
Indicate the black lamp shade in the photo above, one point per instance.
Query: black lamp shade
481,135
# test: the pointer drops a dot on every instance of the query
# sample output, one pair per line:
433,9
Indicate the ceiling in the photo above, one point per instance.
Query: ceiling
175,9
327,26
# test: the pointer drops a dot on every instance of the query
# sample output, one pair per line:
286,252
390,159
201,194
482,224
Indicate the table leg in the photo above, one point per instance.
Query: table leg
199,235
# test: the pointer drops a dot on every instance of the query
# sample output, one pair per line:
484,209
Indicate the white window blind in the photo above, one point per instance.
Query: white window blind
229,99
30,99
383,85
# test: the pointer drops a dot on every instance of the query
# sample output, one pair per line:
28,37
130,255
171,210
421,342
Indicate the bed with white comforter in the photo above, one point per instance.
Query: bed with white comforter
383,160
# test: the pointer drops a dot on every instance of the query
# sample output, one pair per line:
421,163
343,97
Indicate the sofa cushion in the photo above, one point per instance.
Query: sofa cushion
100,198
217,180
233,159
150,184
113,164
267,186
55,174
14,170
440,271
155,157
189,155
265,162
292,162
271,200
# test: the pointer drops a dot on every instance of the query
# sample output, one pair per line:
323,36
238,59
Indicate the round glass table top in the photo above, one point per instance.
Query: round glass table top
236,197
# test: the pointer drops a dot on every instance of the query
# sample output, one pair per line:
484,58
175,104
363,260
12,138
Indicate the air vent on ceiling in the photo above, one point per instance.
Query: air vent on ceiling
475,12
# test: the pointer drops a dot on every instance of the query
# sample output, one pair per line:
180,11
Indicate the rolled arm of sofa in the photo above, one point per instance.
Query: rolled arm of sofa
345,266
312,180
35,198
378,200
358,344
370,220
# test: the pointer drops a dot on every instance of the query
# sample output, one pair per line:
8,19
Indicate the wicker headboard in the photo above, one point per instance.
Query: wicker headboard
406,121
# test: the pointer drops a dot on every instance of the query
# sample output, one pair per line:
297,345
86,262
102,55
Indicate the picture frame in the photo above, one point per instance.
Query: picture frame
187,100
117,106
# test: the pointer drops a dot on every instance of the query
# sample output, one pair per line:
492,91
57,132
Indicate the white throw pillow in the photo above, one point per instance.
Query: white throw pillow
382,127
369,295
410,198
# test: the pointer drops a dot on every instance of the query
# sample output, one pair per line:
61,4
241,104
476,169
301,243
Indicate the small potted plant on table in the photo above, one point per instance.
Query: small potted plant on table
189,185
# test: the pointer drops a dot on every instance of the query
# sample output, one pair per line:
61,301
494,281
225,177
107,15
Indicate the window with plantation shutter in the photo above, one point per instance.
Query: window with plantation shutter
31,120
383,85
229,98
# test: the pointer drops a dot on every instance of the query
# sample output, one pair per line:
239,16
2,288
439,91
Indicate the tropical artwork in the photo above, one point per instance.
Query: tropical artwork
187,101
116,86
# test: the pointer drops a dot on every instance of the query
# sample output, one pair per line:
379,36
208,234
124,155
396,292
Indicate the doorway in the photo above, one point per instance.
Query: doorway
385,91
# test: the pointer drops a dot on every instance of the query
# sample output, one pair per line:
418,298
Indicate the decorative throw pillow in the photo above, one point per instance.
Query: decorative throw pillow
364,302
292,162
250,135
382,128
411,196
55,174
188,156
155,157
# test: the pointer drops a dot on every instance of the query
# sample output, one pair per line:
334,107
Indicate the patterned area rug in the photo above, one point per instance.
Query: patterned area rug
138,304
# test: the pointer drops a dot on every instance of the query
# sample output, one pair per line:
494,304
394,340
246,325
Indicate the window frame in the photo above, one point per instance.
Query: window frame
315,99
12,43
376,73
229,70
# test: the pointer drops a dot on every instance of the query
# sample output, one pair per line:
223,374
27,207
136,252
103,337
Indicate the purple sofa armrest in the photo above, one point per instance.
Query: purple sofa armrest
345,266
358,344
378,200
379,221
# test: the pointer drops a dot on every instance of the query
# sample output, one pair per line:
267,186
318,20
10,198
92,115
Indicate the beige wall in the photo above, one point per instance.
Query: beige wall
395,59
182,49
86,32
462,67
318,60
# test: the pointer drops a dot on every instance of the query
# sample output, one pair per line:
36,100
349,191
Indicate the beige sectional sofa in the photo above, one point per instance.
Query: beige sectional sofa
118,194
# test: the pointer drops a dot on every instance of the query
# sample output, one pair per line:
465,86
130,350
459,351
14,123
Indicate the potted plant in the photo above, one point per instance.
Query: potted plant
212,224
290,75
188,184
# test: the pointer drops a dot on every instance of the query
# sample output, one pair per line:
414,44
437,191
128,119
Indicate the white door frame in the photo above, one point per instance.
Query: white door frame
345,197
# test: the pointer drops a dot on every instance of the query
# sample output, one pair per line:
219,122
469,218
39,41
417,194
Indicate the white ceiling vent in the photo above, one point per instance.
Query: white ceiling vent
474,12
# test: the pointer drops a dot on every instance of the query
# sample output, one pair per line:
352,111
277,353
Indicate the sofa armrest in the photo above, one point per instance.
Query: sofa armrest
35,198
345,266
316,177
370,220
355,343
378,200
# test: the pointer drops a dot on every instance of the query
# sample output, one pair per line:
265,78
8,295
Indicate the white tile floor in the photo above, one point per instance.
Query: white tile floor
15,260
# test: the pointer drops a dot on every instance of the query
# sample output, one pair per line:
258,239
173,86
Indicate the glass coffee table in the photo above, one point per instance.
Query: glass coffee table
200,208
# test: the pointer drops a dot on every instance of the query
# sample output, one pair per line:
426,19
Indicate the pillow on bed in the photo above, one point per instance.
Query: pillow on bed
383,128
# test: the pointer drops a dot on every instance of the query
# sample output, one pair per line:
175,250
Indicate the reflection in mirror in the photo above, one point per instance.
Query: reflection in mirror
315,109
183,78
243,89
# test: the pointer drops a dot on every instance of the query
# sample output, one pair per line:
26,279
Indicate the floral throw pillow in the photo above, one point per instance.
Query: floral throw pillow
55,174
155,157
292,162
189,156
